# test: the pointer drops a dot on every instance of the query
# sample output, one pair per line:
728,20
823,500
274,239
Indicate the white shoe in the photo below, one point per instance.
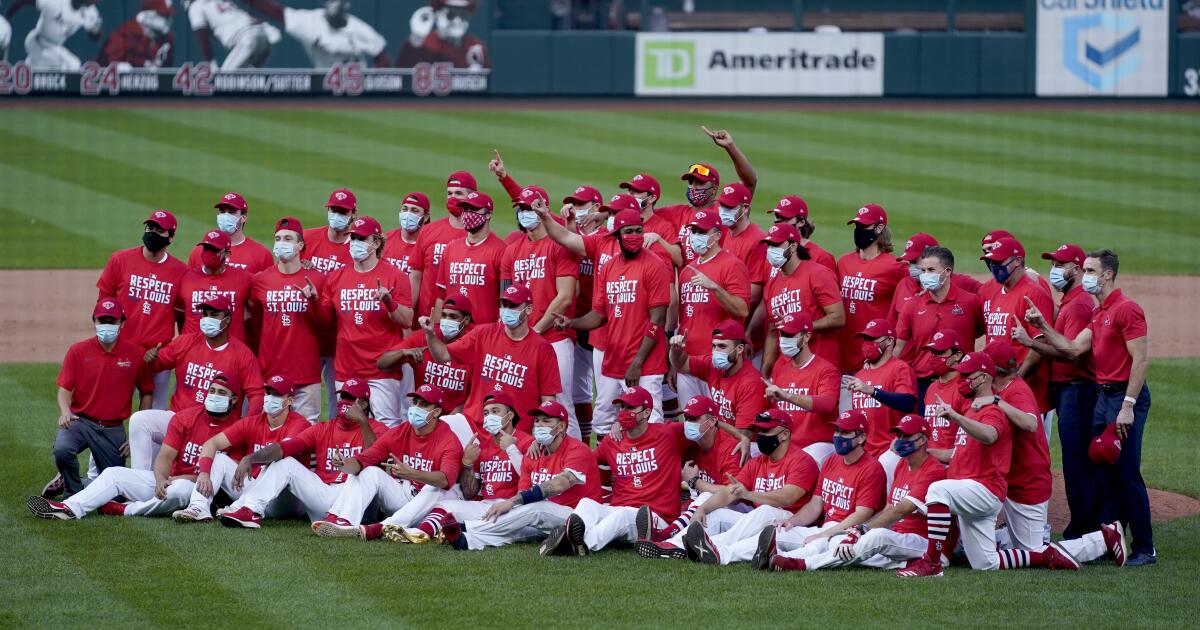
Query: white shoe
192,514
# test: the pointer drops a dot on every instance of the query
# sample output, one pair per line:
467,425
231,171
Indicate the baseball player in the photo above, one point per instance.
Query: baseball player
327,249
144,41
453,378
732,380
647,192
434,238
940,304
868,276
806,386
554,479
95,384
799,285
169,485
244,252
218,470
505,356
915,249
401,248
214,277
946,349
329,35
793,211
371,304
470,265
422,458
889,539
644,466
45,45
745,242
884,389
331,443
145,280
438,34
247,41
582,208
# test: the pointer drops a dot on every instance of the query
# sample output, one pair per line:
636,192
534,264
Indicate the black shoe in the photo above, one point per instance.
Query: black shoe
699,546
1142,559
555,543
575,531
766,549
659,550
645,523
53,488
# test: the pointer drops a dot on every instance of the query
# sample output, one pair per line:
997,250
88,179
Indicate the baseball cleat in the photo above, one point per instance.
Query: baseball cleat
1114,540
53,488
398,534
1058,558
659,550
1142,559
450,531
45,508
766,549
645,523
781,563
920,568
336,528
192,514
699,546
241,517
556,543
575,531
112,508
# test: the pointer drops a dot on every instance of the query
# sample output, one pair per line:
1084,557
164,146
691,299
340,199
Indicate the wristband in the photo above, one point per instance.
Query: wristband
692,483
1131,400
652,331
390,303
532,495
206,465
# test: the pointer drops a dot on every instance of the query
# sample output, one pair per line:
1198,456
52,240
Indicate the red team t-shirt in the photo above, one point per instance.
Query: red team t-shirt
147,292
601,248
847,487
452,377
1004,309
498,478
473,270
1074,314
538,265
1114,323
101,381
325,255
399,253
527,369
646,469
437,451
338,437
908,483
921,317
699,310
198,286
196,363
819,379
187,432
252,433
893,376
626,290
867,289
986,463
431,244
290,329
571,454
1029,478
821,256
249,256
795,468
364,328
741,395
810,288
942,430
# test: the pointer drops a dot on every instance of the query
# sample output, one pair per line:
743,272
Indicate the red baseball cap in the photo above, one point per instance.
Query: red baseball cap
215,238
771,418
342,198
517,294
281,384
705,220
477,201
635,396
735,194
911,425
643,183
976,362
228,383
626,218
584,194
943,340
551,409
1004,249
431,394
795,323
622,202
418,199
500,397
233,200
356,388
218,302
457,302
163,219
729,330
290,223
994,236
701,172
781,233
916,246
462,179
161,7
869,214
1002,353
700,406
108,307
365,226
877,328
1068,252
790,207
1105,448
852,420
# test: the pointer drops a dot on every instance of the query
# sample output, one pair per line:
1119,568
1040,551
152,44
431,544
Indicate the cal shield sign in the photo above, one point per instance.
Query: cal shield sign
744,64
1102,47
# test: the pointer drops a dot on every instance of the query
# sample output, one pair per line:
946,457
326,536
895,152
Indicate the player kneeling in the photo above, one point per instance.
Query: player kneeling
169,486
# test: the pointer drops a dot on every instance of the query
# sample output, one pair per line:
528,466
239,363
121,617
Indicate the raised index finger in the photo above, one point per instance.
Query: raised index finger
710,134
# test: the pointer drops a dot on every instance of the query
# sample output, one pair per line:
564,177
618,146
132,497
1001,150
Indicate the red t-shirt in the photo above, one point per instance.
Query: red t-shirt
601,248
821,256
699,310
364,328
717,461
893,376
473,270
795,468
810,288
249,256
101,381
585,280
1074,315
943,430
249,434
683,213
1117,321
626,290
187,432
196,363
867,289
1029,478
325,440
452,377
571,454
986,463
538,265
526,369
909,288
498,478
922,317
909,483
290,327
437,451
197,286
1005,308
747,246
431,243
819,379
147,292
646,469
741,395
397,252
847,487
326,256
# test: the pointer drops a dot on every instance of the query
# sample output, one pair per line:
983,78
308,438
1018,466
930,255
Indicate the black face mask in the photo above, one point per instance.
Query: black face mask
767,443
864,236
154,241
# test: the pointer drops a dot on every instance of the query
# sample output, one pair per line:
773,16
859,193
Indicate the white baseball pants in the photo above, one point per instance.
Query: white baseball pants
388,401
314,496
1026,524
1086,548
688,386
581,376
976,508
249,43
564,352
888,459
739,543
136,485
327,377
879,548
47,57
147,429
307,401
604,414
524,522
393,496
820,451
606,523
162,390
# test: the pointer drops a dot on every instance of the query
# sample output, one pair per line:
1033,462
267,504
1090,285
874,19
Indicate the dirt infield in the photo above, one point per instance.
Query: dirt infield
1164,506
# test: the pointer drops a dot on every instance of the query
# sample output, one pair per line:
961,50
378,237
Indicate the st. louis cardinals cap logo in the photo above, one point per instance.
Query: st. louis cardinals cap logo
341,196
276,379
614,199
230,196
863,210
785,202
701,215
638,177
108,304
938,336
728,190
908,244
160,214
579,190
213,235
358,222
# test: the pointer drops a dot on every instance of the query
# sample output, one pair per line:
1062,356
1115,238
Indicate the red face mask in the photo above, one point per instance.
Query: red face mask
965,389
452,206
210,259
628,419
871,351
939,365
473,220
344,406
633,243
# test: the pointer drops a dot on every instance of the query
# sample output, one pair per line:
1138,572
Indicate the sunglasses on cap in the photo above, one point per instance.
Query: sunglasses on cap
699,169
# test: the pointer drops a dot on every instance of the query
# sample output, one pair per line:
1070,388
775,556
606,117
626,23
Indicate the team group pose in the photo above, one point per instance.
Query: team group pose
617,371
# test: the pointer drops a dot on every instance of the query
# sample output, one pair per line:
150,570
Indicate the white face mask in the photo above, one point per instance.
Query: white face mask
216,403
1058,278
409,221
720,360
284,250
777,256
418,417
914,271
493,423
1091,283
699,243
272,404
450,328
789,346
359,250
107,333
728,216
210,326
227,223
338,221
528,219
931,281
543,435
511,317
611,223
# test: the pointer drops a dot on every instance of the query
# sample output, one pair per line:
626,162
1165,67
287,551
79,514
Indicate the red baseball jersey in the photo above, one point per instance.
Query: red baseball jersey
741,395
1074,314
893,376
747,246
399,253
601,248
188,430
847,487
717,461
571,454
867,289
102,381
986,463
538,265
473,270
129,44
1029,478
585,281
249,256
289,325
626,290
909,483
665,228
431,244
795,468
325,255
527,369
819,379
364,328
699,310
147,292
646,469
1115,322
252,433
196,363
326,440
197,286
943,430
1003,309
498,478
921,317
452,377
809,288
437,451
909,288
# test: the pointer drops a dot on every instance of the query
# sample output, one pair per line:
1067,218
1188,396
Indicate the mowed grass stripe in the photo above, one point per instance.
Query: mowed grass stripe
1068,124
23,238
1166,122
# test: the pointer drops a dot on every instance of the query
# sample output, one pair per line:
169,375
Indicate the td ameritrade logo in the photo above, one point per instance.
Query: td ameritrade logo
673,64
669,64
